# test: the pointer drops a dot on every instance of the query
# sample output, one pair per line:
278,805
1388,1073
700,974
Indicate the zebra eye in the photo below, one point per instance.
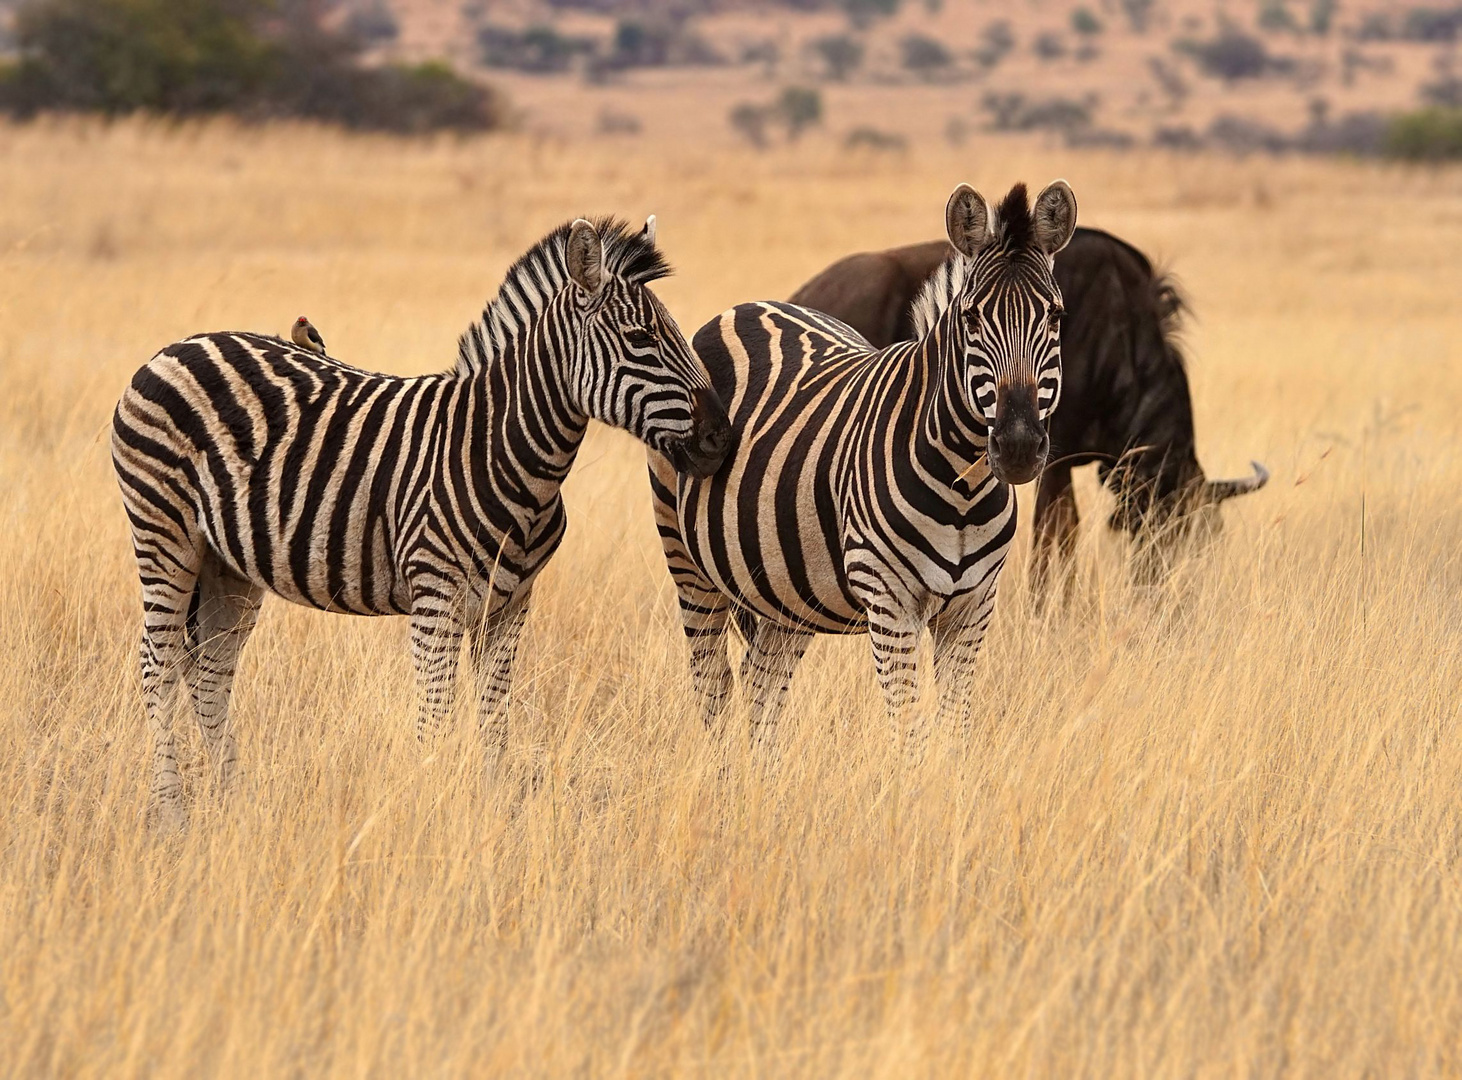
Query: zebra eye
639,336
1053,320
972,320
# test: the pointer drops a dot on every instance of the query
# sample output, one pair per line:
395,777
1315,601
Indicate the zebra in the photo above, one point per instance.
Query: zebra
870,490
248,465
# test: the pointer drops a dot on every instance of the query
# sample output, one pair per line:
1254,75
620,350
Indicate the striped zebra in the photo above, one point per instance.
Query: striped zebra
248,465
870,490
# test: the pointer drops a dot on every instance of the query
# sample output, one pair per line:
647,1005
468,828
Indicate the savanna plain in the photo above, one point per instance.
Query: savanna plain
1206,830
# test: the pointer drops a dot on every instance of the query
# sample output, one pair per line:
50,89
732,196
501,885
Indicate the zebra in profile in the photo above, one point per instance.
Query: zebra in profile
248,465
870,490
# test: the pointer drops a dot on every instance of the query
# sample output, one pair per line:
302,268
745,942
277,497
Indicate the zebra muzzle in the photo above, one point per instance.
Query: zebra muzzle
1018,442
702,451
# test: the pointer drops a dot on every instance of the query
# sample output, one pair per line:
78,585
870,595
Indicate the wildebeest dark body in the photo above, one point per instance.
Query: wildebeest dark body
1125,402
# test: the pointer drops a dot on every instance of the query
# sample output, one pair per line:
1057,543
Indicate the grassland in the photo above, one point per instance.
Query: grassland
1209,833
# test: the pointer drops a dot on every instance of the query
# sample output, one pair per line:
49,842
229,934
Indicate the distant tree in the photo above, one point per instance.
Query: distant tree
799,108
1084,22
255,58
925,56
871,138
841,54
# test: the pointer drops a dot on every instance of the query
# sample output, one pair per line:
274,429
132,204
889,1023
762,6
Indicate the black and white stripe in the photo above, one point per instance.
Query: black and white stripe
864,491
248,465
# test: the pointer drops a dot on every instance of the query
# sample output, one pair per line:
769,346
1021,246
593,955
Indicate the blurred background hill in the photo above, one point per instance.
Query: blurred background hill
1245,76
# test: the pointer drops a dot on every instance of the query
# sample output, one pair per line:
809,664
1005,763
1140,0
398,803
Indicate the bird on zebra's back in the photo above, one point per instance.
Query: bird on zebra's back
869,490
250,466
304,334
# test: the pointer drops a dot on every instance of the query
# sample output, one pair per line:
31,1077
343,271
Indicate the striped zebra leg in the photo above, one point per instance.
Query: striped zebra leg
494,652
957,639
705,612
895,641
436,648
767,668
228,609
168,587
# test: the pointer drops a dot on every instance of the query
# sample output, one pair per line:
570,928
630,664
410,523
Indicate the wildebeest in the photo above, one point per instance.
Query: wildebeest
1125,402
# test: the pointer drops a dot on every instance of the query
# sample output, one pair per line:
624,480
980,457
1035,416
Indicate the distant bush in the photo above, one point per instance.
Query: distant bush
862,12
1432,24
1375,26
1231,55
1445,92
1243,135
1084,22
840,54
1322,16
750,121
657,43
539,50
997,41
1275,15
1139,13
870,138
1049,45
1177,137
1013,111
372,24
190,57
1426,135
925,56
796,109
618,123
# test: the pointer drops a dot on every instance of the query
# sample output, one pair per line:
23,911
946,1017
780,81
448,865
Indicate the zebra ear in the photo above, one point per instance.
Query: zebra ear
649,230
1055,216
585,257
967,220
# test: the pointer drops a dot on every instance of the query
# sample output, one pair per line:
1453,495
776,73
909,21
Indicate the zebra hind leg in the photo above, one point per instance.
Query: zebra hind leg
169,604
771,659
227,611
494,652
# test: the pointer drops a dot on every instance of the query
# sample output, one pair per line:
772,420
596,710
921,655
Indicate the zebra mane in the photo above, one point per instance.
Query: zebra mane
541,273
939,291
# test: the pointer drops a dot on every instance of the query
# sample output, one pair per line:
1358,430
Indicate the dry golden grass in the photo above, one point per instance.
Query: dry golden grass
1211,833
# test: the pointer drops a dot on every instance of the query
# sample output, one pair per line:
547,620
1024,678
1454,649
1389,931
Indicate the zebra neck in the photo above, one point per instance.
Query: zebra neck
951,436
526,425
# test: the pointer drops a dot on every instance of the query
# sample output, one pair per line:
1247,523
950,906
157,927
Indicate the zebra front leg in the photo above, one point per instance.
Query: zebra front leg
767,668
957,639
895,642
228,609
494,651
436,648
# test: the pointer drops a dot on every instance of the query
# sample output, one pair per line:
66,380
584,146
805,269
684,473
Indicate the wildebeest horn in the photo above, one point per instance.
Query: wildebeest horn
1218,490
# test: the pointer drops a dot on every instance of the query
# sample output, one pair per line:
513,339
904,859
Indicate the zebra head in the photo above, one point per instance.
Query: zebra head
1010,318
633,367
